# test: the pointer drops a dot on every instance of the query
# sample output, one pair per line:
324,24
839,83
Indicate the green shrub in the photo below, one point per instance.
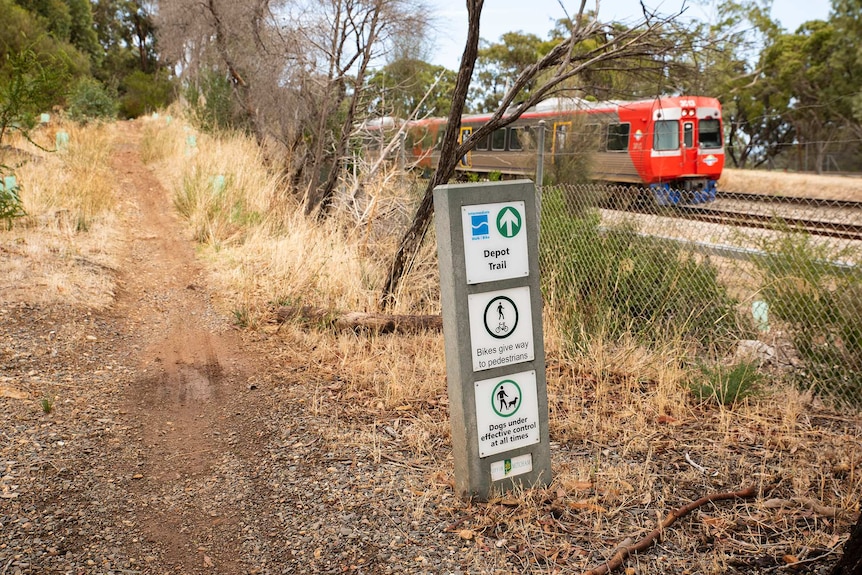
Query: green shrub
10,202
211,101
144,93
90,100
619,283
30,83
821,306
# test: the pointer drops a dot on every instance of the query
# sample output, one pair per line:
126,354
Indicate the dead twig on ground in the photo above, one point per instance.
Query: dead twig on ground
812,505
624,551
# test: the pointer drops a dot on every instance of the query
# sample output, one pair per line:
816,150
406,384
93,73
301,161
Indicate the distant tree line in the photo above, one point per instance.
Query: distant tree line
95,59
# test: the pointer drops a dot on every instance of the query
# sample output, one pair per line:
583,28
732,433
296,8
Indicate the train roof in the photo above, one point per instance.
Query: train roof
553,106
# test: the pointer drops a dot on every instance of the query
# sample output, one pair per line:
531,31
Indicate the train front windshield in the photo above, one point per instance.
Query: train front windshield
666,135
709,134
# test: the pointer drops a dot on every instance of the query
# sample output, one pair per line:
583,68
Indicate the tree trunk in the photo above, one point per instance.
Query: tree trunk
240,86
411,241
851,561
360,321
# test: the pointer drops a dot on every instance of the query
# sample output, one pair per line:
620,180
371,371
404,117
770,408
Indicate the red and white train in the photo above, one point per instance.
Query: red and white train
671,145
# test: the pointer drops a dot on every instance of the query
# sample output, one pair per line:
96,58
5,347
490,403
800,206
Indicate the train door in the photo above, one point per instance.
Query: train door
561,132
466,160
689,148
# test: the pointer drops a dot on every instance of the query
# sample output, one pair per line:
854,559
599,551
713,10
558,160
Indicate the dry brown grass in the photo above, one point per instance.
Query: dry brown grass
792,184
64,250
262,250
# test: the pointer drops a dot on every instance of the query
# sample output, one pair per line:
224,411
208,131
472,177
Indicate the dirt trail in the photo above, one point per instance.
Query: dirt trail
190,368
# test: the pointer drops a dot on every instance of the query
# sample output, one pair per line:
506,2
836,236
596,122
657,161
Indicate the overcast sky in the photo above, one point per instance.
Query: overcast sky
538,17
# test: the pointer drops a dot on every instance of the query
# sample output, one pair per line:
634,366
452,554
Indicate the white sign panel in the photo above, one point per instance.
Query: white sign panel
511,467
495,242
507,413
501,328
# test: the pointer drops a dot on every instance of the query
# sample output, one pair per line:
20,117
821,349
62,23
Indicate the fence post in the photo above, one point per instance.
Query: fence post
540,167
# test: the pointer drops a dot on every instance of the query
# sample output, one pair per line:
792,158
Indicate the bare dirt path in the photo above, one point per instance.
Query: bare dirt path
190,372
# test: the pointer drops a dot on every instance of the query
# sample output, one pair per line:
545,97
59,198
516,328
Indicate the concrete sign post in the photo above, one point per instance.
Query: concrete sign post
487,246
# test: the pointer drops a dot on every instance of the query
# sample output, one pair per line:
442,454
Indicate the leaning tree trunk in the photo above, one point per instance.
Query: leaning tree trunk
411,241
851,561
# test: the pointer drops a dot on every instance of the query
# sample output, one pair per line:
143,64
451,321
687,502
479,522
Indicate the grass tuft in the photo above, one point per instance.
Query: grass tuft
47,404
727,385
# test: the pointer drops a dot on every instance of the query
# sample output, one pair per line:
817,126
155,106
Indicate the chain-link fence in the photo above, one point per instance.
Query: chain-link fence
765,281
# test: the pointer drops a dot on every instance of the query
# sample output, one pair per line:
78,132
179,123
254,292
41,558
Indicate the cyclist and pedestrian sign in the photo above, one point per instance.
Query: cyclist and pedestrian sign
501,328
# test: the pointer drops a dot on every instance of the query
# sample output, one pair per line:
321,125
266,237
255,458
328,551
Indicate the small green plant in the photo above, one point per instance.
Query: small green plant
10,201
47,404
282,301
727,384
241,317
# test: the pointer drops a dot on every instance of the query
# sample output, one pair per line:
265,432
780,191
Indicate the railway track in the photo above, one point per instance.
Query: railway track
827,228
827,218
788,200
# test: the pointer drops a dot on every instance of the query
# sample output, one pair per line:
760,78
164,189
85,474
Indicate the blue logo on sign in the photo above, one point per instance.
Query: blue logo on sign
480,226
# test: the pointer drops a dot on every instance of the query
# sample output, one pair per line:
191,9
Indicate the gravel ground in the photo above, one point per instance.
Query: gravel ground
176,444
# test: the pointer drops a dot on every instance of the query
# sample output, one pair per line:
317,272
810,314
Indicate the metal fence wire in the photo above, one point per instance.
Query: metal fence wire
773,283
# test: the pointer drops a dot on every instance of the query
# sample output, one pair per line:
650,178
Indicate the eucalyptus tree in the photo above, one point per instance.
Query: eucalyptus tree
499,63
802,67
345,37
729,65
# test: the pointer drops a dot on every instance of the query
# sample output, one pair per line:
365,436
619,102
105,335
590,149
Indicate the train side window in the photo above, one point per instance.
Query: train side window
515,139
666,135
498,140
595,136
709,134
482,144
618,137
688,135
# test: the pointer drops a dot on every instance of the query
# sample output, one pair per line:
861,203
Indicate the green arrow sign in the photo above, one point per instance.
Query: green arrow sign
509,222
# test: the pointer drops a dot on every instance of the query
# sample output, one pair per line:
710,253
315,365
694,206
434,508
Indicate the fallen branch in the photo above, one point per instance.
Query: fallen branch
624,551
812,505
360,321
